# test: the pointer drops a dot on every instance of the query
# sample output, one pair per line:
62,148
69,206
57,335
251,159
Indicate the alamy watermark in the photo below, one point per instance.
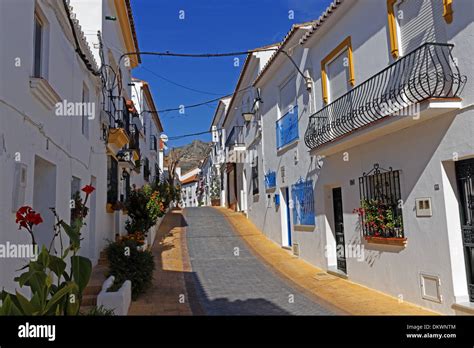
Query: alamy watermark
23,251
70,109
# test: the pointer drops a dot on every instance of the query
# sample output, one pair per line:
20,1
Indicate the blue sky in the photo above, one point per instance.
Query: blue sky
209,26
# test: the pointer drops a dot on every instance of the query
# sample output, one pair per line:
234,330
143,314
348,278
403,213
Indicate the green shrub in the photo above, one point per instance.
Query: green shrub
99,311
127,262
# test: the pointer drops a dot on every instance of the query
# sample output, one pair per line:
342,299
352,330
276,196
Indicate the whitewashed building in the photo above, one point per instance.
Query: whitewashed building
189,188
218,149
149,127
50,148
375,116
242,138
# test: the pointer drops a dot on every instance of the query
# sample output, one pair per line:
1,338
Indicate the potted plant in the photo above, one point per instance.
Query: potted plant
380,221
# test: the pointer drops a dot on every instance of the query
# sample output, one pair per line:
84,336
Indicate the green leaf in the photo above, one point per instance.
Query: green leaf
57,265
58,297
81,271
26,306
43,257
8,307
73,234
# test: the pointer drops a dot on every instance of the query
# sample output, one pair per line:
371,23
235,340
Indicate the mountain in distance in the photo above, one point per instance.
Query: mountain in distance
192,154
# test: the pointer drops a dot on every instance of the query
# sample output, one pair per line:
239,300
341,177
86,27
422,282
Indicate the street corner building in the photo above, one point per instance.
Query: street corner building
72,115
354,149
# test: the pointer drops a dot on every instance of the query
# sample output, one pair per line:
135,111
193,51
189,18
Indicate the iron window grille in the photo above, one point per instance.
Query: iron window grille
287,128
429,71
255,177
112,180
303,202
146,170
381,208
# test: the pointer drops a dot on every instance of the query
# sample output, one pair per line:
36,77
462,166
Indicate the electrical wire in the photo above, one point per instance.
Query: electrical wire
177,84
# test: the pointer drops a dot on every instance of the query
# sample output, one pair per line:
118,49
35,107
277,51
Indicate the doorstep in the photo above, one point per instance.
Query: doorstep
464,308
336,272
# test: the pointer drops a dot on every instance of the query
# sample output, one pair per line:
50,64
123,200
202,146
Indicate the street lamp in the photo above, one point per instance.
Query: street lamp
248,116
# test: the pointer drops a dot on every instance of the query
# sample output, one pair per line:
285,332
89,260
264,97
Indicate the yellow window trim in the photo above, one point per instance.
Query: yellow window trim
392,23
392,27
346,44
448,10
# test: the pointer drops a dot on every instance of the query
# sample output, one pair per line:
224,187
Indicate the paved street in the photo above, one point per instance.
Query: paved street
229,279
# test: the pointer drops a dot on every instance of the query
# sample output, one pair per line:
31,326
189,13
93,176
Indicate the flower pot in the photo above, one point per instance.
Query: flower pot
215,202
118,301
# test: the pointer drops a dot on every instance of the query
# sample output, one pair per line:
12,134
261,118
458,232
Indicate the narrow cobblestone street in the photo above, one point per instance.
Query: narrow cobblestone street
230,280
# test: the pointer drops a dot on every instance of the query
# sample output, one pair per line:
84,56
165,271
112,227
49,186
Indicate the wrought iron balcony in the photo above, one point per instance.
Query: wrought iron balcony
236,137
427,72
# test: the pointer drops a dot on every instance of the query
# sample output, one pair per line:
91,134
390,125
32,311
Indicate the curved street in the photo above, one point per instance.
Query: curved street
228,279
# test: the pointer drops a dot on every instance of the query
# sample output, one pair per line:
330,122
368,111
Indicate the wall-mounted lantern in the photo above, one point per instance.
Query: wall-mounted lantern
248,116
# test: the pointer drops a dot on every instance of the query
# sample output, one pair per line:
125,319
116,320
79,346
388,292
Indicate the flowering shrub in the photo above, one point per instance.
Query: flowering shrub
379,219
144,207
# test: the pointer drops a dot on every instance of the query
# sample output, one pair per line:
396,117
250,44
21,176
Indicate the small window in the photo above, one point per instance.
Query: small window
338,75
85,116
75,192
38,47
380,198
255,177
112,180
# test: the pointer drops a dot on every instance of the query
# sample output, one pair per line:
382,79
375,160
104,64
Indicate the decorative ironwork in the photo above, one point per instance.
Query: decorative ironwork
303,202
287,128
380,198
146,170
427,72
270,180
236,136
255,189
134,139
465,181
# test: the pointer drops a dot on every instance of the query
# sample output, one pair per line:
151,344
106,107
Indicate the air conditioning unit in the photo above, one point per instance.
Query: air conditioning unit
296,249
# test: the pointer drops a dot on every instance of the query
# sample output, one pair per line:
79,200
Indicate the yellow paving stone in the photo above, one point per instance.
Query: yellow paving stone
169,251
349,297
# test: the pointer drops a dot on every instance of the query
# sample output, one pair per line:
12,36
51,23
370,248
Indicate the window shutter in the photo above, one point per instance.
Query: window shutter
419,22
338,76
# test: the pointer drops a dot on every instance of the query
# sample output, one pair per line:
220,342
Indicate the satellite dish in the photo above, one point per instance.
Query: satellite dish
164,138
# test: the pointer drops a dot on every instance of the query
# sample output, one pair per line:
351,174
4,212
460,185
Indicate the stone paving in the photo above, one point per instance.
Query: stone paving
229,279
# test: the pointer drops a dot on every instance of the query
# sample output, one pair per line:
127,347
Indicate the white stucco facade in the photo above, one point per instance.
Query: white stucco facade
48,152
429,270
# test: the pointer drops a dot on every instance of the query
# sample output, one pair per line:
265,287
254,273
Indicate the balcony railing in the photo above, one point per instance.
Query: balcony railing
134,138
236,137
270,180
287,128
427,72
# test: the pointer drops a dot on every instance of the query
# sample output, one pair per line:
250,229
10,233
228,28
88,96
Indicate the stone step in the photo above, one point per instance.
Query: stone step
89,300
92,289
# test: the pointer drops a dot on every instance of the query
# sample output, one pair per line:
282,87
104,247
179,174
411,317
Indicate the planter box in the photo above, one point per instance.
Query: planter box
119,301
388,241
216,202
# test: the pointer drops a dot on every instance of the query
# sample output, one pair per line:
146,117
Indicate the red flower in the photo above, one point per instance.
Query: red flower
27,217
88,189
